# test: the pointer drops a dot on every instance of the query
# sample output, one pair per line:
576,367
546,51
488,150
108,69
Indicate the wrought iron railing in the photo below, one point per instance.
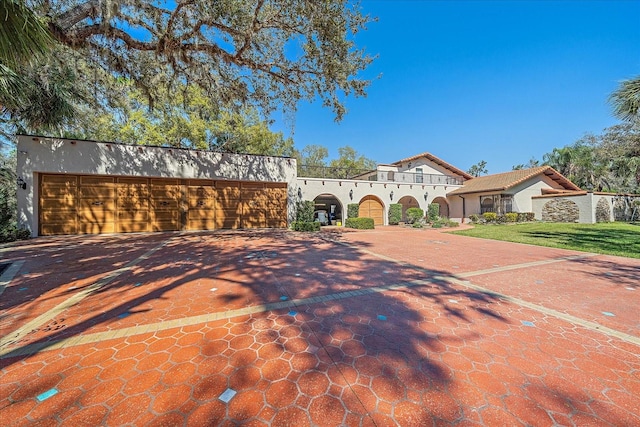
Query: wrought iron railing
307,171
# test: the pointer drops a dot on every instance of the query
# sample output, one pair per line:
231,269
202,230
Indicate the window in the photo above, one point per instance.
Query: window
486,205
419,177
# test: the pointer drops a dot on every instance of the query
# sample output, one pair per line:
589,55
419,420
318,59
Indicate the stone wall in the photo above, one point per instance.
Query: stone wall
603,212
560,210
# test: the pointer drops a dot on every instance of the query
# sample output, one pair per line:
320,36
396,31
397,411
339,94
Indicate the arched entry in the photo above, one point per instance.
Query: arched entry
407,202
444,206
330,205
371,207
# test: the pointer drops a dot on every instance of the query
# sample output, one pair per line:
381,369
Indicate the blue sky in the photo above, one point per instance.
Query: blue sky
500,81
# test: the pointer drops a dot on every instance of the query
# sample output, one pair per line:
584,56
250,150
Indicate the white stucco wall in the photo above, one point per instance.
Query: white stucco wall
310,188
51,155
523,193
586,203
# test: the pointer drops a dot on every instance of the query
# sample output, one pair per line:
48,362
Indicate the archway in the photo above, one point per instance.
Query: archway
407,202
330,205
444,206
372,207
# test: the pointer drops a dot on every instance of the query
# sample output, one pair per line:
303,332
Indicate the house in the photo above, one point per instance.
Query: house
507,192
69,186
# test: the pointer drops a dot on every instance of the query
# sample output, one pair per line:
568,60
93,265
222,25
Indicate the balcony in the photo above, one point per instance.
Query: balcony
308,171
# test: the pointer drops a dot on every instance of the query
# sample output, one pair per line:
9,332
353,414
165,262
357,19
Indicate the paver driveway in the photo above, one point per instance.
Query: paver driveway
386,327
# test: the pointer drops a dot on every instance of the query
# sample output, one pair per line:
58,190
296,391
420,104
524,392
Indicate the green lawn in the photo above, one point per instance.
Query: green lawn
606,238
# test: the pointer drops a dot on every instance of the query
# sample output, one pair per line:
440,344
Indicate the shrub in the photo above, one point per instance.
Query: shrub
526,216
511,216
414,214
490,216
417,224
360,223
352,210
475,218
501,219
434,212
451,223
305,226
395,213
304,211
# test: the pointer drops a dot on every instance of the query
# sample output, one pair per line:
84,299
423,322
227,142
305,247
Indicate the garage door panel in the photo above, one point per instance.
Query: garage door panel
58,216
93,181
165,205
56,191
202,224
165,226
94,228
97,204
67,203
132,226
133,215
49,229
254,219
103,192
227,192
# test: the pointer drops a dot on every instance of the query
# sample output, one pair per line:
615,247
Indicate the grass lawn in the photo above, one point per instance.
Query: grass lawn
606,238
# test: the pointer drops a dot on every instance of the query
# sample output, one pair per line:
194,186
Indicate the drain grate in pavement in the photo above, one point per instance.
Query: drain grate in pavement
527,323
227,395
47,394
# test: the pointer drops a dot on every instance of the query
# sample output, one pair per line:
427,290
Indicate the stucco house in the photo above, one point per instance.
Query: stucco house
68,186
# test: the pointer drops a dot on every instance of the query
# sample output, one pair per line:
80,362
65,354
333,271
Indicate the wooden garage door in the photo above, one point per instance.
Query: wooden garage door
370,207
164,203
201,200
132,197
58,199
98,204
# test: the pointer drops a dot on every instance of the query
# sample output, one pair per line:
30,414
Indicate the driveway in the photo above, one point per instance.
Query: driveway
385,327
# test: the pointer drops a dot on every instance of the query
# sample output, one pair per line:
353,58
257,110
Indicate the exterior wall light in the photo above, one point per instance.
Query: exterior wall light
391,195
426,196
351,194
21,183
299,193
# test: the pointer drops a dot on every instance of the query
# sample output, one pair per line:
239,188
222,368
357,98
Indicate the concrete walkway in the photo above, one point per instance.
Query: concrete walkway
385,327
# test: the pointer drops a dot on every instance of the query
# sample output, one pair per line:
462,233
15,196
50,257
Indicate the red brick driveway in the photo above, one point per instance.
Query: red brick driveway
386,327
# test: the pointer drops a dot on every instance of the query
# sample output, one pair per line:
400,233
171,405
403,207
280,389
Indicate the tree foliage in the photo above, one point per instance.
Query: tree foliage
312,162
478,169
532,163
187,120
626,100
264,53
606,162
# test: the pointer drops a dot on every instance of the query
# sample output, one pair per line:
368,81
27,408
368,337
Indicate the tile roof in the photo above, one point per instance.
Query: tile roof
437,161
506,180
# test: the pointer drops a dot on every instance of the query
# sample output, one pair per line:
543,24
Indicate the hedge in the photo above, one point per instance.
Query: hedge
526,216
414,214
434,212
304,211
360,223
395,213
490,216
305,226
352,210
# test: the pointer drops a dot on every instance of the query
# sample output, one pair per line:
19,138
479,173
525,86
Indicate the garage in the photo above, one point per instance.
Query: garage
76,204
371,207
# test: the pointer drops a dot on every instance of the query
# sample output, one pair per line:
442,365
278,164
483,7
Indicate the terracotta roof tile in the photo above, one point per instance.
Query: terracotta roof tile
506,180
437,161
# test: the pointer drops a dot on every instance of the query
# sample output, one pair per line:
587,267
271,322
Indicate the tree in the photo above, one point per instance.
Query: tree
478,169
610,161
188,120
312,161
32,95
626,100
264,53
350,163
533,163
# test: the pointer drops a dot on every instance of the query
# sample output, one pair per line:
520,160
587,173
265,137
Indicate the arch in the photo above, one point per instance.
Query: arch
444,206
331,204
407,202
372,207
